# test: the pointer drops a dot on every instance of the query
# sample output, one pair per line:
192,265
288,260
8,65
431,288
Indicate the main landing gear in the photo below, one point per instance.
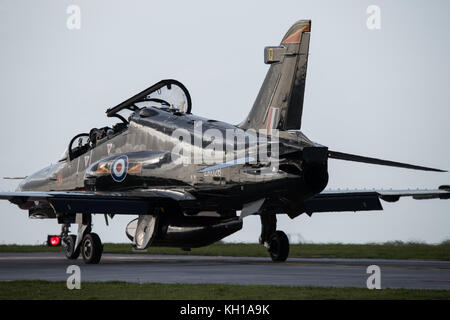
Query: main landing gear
276,242
86,242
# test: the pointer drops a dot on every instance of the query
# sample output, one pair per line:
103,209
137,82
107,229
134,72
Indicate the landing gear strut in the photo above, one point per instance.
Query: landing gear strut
86,242
276,242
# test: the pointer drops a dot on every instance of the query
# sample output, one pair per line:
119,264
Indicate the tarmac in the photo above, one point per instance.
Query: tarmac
146,268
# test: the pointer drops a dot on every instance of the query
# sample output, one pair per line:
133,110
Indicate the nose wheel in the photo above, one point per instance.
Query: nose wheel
70,249
91,248
86,242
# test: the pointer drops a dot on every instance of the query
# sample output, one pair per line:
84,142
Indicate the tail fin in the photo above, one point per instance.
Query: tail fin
279,103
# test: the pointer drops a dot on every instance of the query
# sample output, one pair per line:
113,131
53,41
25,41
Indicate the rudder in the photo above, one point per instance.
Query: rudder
279,103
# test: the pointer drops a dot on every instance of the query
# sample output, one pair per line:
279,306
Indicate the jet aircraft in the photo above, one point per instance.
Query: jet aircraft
154,165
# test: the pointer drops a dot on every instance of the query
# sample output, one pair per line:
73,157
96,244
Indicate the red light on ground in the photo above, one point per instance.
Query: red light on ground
54,241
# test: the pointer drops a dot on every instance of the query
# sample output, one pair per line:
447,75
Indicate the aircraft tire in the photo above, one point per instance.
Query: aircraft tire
69,248
91,248
279,246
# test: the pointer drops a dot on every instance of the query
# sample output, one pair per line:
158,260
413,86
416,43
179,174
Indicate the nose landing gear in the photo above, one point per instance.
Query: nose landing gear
86,242
91,248
70,250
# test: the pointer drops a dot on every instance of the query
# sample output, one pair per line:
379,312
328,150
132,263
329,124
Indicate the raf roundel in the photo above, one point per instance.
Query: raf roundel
119,168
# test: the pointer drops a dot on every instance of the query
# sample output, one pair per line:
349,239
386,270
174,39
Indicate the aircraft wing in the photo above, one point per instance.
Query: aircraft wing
137,202
363,200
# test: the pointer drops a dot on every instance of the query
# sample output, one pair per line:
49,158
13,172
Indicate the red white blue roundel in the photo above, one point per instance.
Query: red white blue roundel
119,168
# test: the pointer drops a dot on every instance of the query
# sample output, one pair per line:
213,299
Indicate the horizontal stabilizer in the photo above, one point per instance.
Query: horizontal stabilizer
356,158
337,202
364,200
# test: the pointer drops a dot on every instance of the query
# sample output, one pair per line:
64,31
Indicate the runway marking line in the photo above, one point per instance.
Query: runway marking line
28,258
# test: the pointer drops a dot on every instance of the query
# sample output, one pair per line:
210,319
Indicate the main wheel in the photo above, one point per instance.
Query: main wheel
69,247
279,246
91,248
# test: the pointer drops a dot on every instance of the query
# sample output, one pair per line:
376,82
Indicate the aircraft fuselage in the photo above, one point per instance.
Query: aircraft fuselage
149,142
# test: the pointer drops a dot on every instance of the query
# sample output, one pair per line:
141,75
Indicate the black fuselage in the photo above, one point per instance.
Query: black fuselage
149,139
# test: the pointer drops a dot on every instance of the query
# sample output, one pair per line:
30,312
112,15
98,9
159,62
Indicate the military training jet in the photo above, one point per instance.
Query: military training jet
188,181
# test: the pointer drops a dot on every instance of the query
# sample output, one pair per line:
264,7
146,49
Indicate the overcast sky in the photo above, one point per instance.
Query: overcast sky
381,93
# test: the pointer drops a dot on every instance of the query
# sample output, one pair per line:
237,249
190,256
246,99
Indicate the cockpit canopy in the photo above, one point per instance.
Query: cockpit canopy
169,95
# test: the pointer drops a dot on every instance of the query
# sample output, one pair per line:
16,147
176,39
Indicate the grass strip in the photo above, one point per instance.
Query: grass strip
390,250
47,290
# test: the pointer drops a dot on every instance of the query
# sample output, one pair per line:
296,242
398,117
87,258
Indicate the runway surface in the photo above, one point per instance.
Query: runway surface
228,270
